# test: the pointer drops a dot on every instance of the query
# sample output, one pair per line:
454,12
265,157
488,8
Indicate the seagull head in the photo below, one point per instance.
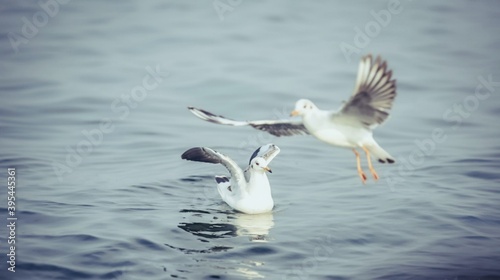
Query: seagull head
302,107
260,164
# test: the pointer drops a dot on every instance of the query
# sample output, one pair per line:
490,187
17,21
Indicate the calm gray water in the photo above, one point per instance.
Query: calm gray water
127,207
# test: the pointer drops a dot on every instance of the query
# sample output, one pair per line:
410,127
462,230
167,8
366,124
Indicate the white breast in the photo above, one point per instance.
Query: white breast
322,127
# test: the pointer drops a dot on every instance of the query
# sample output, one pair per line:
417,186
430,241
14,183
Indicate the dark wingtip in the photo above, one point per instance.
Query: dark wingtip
390,160
189,154
254,155
190,107
381,160
200,154
221,179
194,154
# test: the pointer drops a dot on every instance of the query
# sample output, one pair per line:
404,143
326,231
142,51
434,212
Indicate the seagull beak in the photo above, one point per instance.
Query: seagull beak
267,169
294,113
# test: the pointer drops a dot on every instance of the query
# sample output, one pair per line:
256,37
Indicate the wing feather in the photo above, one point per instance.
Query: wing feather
274,127
204,154
268,152
373,96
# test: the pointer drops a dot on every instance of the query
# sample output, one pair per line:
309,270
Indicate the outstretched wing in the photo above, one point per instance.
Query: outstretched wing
373,95
204,154
268,152
274,127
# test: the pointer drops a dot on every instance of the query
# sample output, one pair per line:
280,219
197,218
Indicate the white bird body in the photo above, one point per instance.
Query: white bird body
319,124
253,198
349,127
247,191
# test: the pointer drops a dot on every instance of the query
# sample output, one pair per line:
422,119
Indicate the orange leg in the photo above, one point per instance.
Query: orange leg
360,171
370,166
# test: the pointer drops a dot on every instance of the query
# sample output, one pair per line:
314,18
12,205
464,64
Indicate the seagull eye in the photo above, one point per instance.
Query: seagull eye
305,106
257,163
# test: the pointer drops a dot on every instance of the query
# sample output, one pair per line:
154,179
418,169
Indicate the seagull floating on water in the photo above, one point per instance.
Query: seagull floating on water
350,126
247,191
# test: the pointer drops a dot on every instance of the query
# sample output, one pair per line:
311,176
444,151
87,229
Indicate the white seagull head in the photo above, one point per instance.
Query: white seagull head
302,107
259,164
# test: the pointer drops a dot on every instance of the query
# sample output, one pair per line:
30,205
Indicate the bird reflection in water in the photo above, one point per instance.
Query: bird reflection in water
217,224
232,224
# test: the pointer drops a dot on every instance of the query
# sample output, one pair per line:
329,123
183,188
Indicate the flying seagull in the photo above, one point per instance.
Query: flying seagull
248,190
350,126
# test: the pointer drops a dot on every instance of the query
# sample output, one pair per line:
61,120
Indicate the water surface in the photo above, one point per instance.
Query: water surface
127,206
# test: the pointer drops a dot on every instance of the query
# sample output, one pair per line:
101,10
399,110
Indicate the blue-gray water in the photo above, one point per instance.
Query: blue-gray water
127,206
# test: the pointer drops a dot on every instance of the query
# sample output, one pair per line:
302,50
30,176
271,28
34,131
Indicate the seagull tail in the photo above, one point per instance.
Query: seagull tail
380,154
207,116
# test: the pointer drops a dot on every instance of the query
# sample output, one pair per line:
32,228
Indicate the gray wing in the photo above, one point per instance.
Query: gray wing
373,95
204,154
268,152
274,127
